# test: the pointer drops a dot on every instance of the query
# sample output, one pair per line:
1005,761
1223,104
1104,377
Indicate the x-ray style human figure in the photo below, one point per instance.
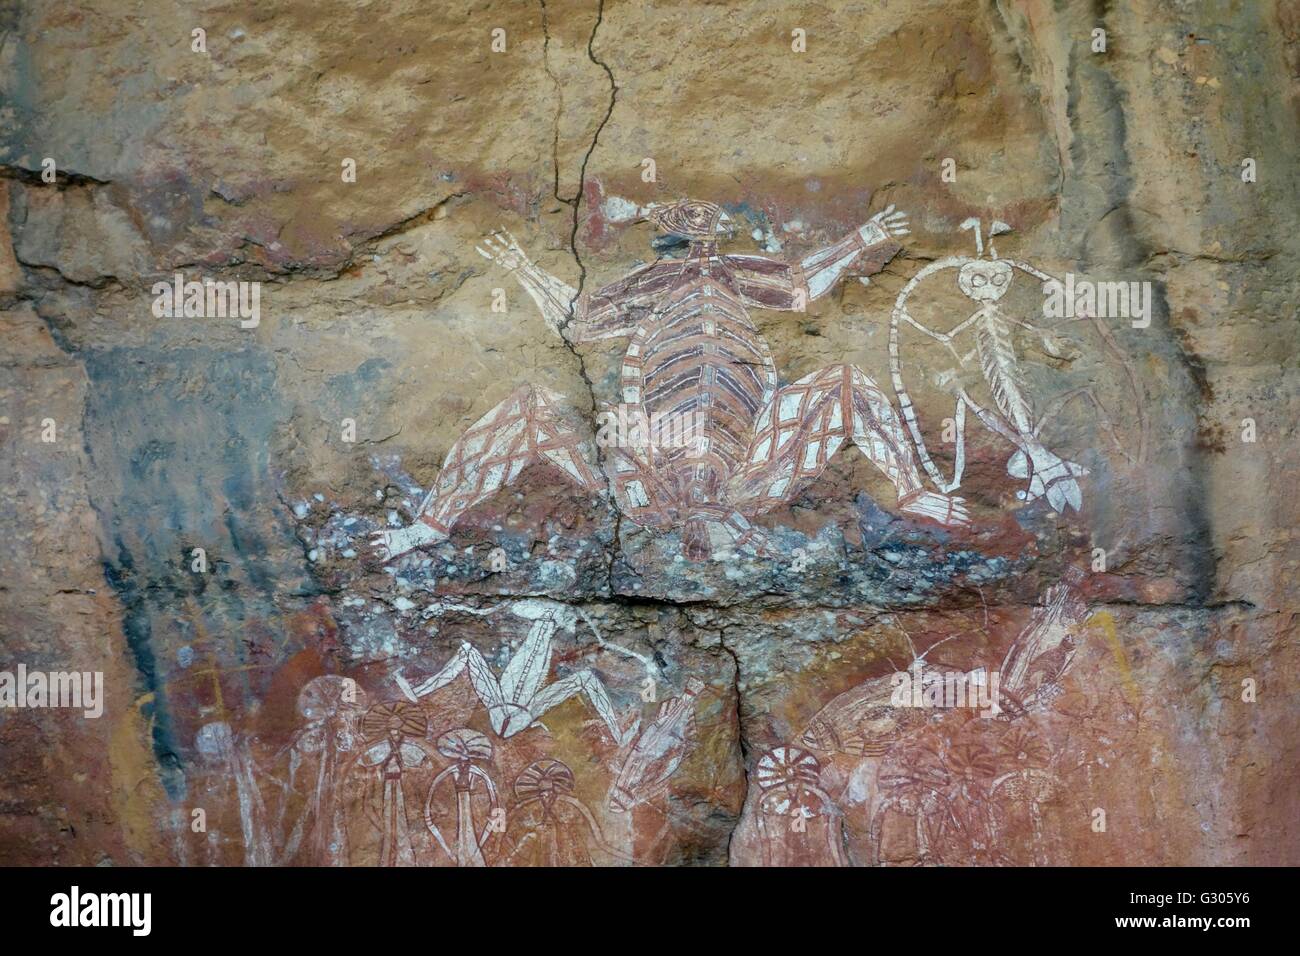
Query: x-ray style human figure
230,757
657,751
869,723
799,824
475,797
1043,651
638,814
394,733
985,281
520,696
693,351
548,825
330,706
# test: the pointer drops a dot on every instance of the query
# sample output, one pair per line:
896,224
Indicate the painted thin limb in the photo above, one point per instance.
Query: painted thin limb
586,683
824,268
554,297
804,425
467,657
614,311
428,813
906,408
596,833
651,668
493,803
993,421
770,283
608,313
944,338
1059,403
1048,474
1139,403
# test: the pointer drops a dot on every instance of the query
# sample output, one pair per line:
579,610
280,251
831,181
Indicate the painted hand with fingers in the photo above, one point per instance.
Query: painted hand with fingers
554,297
503,249
885,225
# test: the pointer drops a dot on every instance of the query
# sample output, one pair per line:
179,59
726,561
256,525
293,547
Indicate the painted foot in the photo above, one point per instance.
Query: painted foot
1051,477
396,542
747,536
757,543
948,510
696,545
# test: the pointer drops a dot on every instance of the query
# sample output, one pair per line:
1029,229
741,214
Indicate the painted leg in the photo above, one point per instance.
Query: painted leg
804,425
747,535
468,852
641,492
1049,475
522,678
468,658
585,683
532,425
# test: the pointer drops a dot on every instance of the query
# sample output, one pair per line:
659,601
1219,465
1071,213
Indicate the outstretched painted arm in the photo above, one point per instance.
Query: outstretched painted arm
825,267
554,297
604,314
769,283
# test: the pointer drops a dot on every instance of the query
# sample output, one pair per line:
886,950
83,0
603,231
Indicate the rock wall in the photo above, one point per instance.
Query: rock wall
960,566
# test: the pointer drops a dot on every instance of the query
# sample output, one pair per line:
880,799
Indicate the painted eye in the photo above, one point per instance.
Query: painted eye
978,280
999,280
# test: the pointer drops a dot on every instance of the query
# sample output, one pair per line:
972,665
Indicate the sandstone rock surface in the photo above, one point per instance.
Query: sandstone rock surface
581,684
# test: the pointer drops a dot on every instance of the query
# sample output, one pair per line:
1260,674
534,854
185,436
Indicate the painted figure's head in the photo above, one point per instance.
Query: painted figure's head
464,746
690,218
546,780
985,280
394,721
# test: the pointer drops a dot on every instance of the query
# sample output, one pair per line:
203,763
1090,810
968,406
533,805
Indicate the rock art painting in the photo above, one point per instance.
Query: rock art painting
693,350
411,780
985,282
600,435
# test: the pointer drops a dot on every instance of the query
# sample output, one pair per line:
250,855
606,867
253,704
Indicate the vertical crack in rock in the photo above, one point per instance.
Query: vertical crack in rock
595,139
740,732
575,203
559,101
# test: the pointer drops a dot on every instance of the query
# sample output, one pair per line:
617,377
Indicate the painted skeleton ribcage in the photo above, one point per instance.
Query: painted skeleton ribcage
699,358
739,445
998,361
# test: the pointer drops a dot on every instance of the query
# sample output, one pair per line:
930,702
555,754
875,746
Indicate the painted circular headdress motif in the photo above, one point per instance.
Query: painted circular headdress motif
785,766
464,745
543,778
394,717
326,696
